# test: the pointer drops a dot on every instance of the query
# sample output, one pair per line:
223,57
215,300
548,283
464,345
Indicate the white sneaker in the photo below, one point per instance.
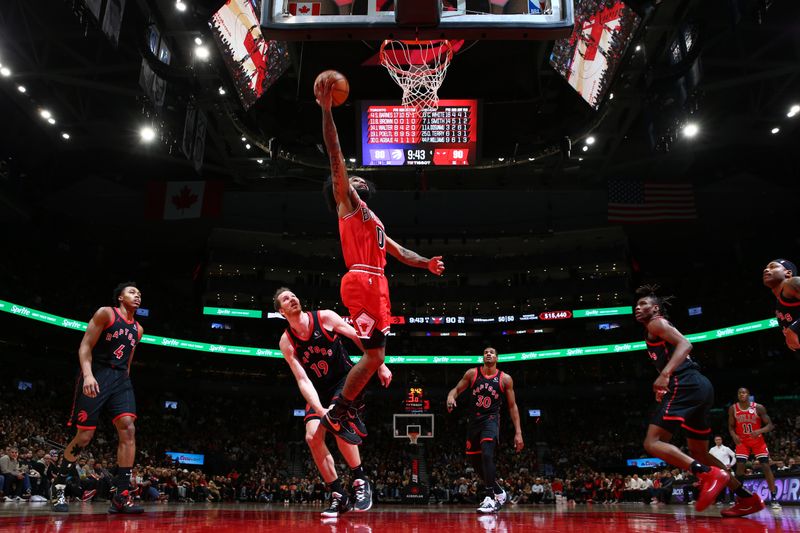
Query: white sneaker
774,505
501,498
489,505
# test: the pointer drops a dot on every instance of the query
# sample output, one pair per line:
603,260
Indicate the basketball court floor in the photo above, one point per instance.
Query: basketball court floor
241,518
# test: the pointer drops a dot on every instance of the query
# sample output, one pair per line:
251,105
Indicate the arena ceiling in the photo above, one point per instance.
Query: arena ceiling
738,80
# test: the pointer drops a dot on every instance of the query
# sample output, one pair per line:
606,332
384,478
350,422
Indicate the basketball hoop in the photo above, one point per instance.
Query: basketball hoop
419,68
413,436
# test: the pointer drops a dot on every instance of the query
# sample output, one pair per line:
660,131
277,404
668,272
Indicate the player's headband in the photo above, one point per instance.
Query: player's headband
788,265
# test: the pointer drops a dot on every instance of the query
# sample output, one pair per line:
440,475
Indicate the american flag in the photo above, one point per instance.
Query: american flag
634,202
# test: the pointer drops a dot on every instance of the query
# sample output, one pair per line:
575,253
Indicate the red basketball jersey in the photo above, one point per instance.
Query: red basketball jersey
747,420
363,240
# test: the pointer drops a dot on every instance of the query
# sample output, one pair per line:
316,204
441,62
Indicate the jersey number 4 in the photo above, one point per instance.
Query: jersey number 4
119,352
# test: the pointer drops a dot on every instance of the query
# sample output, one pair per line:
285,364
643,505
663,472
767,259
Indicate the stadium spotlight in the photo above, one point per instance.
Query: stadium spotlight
775,130
51,121
690,130
147,133
221,90
180,6
247,146
5,71
202,52
793,111
45,113
590,140
65,135
585,148
22,89
198,41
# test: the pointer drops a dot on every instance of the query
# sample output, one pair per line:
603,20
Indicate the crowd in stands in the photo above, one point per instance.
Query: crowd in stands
254,454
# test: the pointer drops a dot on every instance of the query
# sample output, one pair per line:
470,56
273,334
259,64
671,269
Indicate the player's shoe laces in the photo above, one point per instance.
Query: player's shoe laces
122,503
362,493
501,498
744,507
358,425
489,505
61,505
711,484
340,504
341,427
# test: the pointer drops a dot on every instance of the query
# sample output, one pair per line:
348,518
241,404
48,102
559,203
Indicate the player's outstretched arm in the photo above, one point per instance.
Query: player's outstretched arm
460,387
331,320
513,411
346,197
791,288
410,258
303,383
97,324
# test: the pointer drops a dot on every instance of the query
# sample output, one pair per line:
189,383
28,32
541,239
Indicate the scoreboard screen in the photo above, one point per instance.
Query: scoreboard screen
396,135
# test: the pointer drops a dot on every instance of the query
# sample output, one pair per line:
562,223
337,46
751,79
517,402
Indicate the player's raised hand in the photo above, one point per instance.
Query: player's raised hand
323,91
90,386
436,265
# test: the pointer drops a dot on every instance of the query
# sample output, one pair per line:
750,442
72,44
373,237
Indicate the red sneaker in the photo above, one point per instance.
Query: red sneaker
711,484
744,506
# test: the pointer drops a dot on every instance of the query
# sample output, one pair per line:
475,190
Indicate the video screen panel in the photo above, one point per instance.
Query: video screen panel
254,62
588,59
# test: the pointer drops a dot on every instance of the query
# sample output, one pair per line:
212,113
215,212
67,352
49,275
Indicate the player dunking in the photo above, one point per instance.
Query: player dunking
488,388
320,363
105,357
364,289
780,276
684,397
747,423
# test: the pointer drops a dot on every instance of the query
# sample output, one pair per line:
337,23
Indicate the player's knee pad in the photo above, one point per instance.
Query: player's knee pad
376,340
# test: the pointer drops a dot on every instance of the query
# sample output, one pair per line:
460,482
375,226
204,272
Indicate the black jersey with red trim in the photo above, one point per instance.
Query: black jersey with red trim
322,354
787,310
660,352
116,343
487,393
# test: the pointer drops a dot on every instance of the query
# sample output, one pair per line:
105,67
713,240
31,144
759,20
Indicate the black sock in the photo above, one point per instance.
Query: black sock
123,478
336,486
64,470
697,468
358,473
774,494
742,492
340,407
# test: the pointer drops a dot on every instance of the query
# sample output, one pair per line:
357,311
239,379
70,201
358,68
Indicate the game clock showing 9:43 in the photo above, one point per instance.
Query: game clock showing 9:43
415,401
396,135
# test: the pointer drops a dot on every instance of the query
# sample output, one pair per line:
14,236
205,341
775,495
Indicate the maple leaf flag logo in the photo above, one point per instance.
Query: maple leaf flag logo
185,199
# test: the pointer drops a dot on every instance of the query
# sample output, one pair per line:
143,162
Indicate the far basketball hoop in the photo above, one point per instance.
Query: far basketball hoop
419,68
413,436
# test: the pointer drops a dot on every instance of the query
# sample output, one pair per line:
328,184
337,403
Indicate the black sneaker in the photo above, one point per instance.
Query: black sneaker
362,495
340,504
341,427
358,425
61,505
122,503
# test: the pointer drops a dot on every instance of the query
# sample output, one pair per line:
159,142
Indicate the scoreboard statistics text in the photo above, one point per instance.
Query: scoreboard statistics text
402,136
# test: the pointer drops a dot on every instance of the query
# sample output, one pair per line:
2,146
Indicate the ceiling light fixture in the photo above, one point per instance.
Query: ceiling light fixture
691,129
147,133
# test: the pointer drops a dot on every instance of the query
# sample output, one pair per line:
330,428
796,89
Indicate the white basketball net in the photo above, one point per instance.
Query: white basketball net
419,68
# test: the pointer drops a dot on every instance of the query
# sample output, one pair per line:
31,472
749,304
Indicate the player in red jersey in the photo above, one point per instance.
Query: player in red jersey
364,289
747,423
780,276
684,398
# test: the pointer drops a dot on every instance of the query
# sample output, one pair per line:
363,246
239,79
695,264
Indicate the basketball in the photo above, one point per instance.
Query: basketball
341,87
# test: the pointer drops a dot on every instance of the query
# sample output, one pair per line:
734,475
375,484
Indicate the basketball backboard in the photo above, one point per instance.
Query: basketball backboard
405,424
337,20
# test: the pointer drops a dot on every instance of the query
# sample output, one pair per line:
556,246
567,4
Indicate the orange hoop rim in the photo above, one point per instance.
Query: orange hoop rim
413,436
442,65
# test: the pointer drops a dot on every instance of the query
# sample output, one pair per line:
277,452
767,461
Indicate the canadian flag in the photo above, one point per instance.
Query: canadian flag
304,9
173,200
